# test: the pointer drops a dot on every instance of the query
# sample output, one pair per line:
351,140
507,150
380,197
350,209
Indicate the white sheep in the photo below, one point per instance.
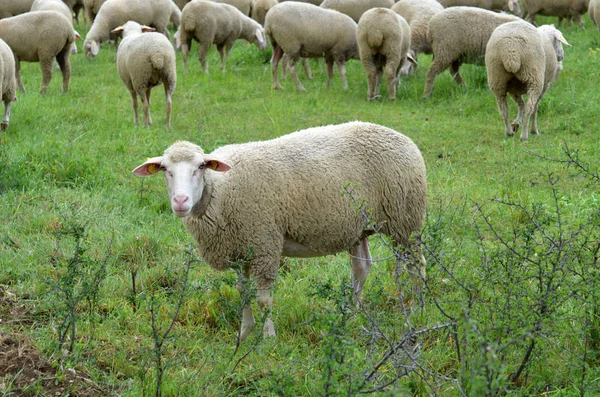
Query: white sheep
91,9
417,13
492,5
144,60
114,13
10,8
459,35
40,36
216,23
260,8
563,9
521,59
355,8
260,201
59,6
383,42
8,82
594,11
302,29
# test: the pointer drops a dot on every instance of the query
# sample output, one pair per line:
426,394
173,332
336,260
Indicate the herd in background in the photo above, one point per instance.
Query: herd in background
385,36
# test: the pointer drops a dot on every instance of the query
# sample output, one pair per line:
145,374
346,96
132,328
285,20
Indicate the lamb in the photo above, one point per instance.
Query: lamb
594,10
260,8
568,9
258,201
459,35
492,5
10,8
383,41
355,8
8,82
40,36
216,23
114,13
144,61
302,29
521,59
417,13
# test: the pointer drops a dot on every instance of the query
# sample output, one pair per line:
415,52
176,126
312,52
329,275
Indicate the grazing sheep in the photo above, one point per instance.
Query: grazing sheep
594,10
144,60
59,6
417,13
304,30
10,8
114,13
8,82
355,8
521,59
567,9
459,35
91,9
282,198
383,41
260,8
40,36
492,5
215,23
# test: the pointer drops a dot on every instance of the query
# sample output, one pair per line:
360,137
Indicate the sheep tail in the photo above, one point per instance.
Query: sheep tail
375,38
511,61
157,61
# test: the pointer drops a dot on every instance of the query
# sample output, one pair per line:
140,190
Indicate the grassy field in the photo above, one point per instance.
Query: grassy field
511,301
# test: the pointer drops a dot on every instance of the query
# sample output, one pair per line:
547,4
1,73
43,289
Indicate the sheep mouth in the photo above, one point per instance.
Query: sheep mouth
181,212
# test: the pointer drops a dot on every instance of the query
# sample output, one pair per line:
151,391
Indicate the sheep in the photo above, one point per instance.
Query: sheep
313,2
305,30
594,11
355,8
260,8
569,9
75,6
144,61
10,8
492,5
417,13
40,36
256,202
521,59
459,35
216,23
383,41
114,13
59,6
91,9
8,82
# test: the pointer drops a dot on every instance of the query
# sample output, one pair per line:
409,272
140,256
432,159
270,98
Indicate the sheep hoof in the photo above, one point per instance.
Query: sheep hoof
515,127
4,125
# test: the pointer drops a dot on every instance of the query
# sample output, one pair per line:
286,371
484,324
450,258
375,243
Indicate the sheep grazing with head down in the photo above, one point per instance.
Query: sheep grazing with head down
8,82
256,202
145,60
521,59
563,9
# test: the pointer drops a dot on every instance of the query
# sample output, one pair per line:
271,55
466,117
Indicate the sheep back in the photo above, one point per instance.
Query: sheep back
260,8
569,9
10,8
55,5
355,8
418,13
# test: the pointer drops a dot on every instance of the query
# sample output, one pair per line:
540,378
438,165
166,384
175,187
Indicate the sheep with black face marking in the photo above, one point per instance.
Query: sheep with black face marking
260,201
521,59
383,42
8,82
145,60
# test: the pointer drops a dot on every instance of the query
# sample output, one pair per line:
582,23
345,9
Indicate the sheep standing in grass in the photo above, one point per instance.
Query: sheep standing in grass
8,82
40,36
417,13
459,35
215,23
492,5
383,42
304,30
259,201
59,6
115,13
521,59
10,8
355,8
144,60
563,9
594,10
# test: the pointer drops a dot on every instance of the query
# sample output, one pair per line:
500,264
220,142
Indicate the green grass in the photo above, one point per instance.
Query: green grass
68,159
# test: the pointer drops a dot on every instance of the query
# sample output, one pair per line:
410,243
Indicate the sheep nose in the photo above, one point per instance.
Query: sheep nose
180,199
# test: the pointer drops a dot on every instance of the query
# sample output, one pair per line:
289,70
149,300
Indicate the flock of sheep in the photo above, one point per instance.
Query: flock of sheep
298,176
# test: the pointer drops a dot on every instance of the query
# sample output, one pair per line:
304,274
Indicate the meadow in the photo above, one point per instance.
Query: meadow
100,279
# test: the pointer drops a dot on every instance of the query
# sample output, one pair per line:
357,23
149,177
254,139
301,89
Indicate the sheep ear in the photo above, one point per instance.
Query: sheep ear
77,35
259,35
177,40
118,29
511,5
412,60
215,165
558,36
147,29
150,167
95,48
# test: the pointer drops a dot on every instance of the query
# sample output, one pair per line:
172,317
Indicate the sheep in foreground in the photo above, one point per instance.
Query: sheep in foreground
355,8
417,13
594,10
492,5
144,60
215,23
10,8
563,9
383,41
304,30
260,8
521,59
115,13
459,35
8,87
40,36
258,201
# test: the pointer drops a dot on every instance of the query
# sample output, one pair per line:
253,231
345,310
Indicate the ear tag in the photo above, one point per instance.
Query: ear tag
152,169
562,40
214,165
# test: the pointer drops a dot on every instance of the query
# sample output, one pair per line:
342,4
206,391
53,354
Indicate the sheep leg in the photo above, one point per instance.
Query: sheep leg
134,103
46,65
378,73
434,69
5,120
306,67
372,74
455,73
342,69
294,74
391,76
277,54
185,52
202,51
265,302
65,67
329,72
168,102
145,105
534,129
418,269
503,109
360,258
521,106
224,53
149,118
18,74
530,108
247,317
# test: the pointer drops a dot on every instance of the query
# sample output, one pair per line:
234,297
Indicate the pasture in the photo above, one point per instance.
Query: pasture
98,278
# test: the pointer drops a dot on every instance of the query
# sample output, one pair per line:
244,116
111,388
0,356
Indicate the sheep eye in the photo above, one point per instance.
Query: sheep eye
202,166
168,173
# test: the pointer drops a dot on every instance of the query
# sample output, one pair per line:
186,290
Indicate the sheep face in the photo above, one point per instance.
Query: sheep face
184,176
513,6
260,39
